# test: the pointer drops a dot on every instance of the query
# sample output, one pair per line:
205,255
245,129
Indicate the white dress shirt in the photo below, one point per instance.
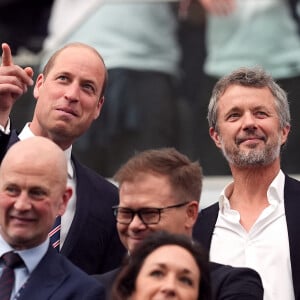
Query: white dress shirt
68,216
265,248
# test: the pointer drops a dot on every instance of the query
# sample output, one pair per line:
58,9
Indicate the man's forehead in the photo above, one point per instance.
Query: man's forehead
150,185
139,196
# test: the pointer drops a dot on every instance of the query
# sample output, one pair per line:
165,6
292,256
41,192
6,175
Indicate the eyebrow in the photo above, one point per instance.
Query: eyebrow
257,107
164,266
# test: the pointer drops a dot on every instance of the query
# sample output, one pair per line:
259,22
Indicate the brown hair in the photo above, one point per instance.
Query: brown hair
185,176
124,284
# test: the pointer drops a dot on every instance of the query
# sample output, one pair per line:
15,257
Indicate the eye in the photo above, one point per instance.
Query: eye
156,273
88,87
123,214
186,280
233,116
150,215
261,114
12,190
62,78
37,193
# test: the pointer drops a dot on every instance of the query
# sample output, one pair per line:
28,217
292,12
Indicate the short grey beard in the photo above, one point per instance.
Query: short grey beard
253,157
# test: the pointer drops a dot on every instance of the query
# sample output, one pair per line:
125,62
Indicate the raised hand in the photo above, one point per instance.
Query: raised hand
14,82
218,7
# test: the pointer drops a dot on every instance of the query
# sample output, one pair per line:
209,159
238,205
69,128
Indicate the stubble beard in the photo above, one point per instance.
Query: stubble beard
251,157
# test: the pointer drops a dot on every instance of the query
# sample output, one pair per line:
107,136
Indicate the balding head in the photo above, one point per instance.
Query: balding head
37,151
33,177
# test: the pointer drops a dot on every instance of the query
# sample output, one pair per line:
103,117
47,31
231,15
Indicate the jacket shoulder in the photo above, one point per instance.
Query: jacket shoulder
235,283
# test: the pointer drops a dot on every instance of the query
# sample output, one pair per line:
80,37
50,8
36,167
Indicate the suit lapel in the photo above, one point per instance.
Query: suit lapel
13,139
81,210
45,278
204,227
292,211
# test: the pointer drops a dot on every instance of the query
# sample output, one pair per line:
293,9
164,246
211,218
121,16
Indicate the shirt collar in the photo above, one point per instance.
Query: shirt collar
27,133
6,129
31,257
275,192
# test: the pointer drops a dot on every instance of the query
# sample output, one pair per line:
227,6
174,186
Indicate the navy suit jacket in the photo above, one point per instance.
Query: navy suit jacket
56,278
204,228
228,283
92,242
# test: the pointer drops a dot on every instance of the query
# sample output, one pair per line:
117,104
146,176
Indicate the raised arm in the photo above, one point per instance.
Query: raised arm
14,82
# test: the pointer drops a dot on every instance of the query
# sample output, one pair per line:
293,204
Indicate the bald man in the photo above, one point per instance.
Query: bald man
33,191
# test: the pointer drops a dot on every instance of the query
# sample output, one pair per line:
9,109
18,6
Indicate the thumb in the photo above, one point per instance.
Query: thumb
29,71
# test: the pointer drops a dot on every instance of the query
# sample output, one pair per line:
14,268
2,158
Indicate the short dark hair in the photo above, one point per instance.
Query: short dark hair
124,284
185,176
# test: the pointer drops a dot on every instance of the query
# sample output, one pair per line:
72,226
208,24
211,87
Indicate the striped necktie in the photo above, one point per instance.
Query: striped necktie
54,234
11,260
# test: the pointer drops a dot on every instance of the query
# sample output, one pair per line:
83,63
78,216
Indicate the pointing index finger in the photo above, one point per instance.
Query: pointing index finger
6,55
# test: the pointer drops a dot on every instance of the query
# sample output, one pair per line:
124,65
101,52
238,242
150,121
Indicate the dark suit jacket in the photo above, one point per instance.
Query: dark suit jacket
228,283
92,242
205,225
56,278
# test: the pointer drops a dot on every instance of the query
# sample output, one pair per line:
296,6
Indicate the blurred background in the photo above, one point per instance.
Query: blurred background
163,59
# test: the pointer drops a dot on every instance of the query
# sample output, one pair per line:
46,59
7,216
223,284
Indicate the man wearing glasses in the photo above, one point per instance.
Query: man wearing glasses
160,190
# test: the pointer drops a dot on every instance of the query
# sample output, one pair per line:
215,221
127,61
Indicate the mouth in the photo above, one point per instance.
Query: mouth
18,220
250,140
67,110
137,238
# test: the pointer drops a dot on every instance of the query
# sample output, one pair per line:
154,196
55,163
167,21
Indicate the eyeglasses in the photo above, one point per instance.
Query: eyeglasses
148,215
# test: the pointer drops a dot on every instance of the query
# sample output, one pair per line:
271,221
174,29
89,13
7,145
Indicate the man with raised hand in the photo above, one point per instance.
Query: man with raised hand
69,94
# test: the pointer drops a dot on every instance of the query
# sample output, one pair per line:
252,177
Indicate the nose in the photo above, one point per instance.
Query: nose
249,121
72,92
169,286
22,202
137,224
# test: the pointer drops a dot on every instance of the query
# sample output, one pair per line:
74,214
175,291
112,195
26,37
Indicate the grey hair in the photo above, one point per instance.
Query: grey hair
254,77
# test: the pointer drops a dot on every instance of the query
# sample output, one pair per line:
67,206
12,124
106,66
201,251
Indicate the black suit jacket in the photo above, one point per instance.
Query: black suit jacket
92,242
207,219
228,283
56,278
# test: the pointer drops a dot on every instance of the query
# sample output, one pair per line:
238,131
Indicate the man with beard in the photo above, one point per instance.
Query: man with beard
255,222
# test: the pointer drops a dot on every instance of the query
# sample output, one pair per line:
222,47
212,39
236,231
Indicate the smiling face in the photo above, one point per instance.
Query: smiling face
69,96
249,132
149,190
169,272
32,193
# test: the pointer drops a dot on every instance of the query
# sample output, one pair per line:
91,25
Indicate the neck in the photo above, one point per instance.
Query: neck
58,139
249,193
254,178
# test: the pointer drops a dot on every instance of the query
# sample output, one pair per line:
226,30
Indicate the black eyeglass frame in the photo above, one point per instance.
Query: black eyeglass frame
140,211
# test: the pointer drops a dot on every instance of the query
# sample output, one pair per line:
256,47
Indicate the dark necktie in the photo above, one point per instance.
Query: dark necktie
54,234
11,261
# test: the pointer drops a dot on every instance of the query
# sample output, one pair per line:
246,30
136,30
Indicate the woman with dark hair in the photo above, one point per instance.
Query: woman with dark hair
164,265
